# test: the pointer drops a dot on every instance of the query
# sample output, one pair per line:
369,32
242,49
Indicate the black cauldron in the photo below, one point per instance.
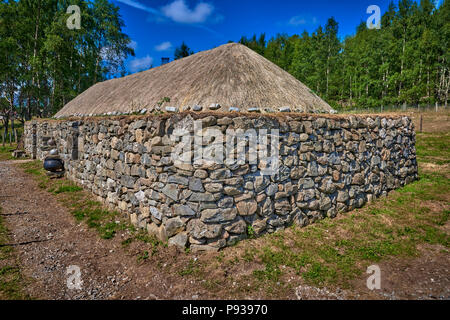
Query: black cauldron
53,165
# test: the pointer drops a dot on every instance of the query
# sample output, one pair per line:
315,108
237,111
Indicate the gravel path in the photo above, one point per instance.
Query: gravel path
48,240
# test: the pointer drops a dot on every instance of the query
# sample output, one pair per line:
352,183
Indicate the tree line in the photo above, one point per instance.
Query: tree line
44,64
404,62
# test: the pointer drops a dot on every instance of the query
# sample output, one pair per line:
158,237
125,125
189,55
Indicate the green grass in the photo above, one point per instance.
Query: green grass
335,251
11,280
192,268
6,152
67,188
17,125
433,148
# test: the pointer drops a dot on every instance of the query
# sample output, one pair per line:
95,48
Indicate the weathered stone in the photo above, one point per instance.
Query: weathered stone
171,190
237,227
201,197
227,202
218,215
304,137
195,248
201,230
184,211
179,241
214,106
313,170
247,208
358,179
128,181
172,109
306,183
342,196
195,184
261,182
325,203
271,190
232,191
140,196
201,174
173,226
213,187
220,174
155,213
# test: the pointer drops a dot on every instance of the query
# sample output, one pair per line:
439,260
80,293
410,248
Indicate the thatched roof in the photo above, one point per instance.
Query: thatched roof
231,75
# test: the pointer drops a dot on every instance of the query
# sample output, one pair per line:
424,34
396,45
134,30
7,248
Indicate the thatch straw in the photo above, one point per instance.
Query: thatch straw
231,75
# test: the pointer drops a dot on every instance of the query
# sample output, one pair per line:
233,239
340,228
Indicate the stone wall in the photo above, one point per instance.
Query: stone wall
328,165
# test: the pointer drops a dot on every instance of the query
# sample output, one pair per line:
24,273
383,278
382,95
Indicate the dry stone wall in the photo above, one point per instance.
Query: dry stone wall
328,165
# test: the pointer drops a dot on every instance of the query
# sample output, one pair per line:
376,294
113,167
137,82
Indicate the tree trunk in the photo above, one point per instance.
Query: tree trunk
6,125
36,36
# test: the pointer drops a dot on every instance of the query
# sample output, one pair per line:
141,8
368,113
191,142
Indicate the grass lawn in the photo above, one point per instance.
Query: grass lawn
6,152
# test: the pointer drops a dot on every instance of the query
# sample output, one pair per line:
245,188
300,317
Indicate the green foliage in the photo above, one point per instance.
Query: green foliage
45,64
162,101
6,153
405,62
183,51
143,256
191,268
250,232
67,188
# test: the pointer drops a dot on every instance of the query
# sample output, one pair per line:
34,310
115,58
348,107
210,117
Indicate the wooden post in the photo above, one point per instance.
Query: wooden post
34,131
421,123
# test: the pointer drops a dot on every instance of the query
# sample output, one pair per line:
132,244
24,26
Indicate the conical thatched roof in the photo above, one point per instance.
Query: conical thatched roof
231,75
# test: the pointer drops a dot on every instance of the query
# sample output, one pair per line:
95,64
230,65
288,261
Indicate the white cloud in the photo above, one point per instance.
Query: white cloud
133,45
164,46
297,20
140,64
139,6
178,11
301,20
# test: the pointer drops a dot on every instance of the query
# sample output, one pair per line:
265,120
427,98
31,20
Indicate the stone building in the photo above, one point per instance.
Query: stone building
326,164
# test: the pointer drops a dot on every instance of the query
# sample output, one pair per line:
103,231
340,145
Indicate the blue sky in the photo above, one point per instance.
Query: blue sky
158,26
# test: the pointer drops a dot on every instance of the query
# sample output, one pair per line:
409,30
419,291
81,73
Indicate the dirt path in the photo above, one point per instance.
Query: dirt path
48,240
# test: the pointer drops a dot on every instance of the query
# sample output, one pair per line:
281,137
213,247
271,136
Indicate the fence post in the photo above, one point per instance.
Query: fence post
421,123
34,140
